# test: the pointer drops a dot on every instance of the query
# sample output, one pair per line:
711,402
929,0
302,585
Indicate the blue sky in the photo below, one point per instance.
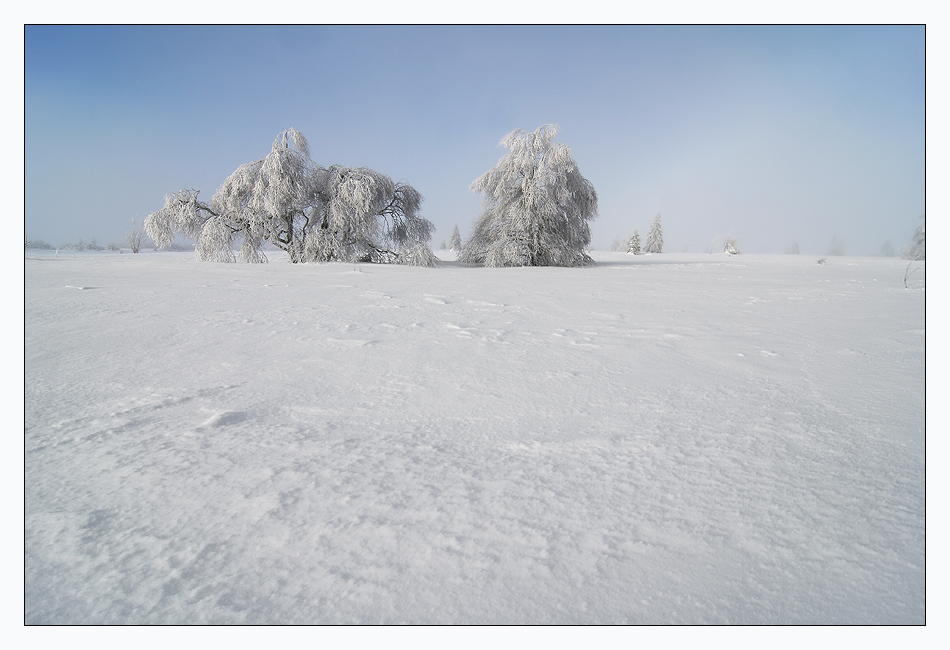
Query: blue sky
775,135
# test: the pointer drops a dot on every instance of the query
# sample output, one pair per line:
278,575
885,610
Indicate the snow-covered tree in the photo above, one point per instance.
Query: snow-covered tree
836,247
917,251
315,214
537,205
134,238
363,216
655,237
633,248
455,241
918,245
730,246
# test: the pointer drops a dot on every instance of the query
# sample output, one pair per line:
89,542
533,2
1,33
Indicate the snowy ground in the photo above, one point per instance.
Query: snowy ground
657,439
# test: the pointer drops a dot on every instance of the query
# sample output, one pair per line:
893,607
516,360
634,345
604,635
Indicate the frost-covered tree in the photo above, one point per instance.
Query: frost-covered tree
918,245
537,205
731,246
836,248
455,241
312,213
363,216
134,238
633,248
654,242
917,251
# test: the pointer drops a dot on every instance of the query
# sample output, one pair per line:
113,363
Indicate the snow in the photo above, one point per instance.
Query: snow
658,439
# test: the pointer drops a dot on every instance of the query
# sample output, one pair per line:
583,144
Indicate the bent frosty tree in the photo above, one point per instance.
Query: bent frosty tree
312,213
537,206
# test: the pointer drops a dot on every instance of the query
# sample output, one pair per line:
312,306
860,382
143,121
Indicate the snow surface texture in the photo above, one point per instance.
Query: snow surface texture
653,439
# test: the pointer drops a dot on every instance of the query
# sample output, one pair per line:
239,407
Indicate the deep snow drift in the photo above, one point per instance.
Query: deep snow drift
657,439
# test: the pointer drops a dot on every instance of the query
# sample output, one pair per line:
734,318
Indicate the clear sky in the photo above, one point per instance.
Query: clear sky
774,135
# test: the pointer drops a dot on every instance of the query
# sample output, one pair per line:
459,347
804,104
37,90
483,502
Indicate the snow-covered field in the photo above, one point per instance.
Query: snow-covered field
676,438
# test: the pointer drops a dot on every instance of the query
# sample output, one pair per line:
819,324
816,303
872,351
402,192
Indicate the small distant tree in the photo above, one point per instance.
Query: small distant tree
918,244
793,249
836,248
887,250
455,241
133,238
537,205
917,251
312,213
654,242
730,246
633,248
